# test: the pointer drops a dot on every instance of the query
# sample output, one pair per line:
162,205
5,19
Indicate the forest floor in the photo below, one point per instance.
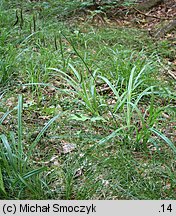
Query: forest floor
87,104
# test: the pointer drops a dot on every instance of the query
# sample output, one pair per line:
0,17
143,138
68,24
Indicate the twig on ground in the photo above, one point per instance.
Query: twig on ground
152,16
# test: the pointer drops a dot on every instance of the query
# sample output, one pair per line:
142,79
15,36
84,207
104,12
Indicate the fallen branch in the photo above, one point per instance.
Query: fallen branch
152,16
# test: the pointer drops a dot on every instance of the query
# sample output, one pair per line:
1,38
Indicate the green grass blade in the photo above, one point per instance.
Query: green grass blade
77,75
163,137
137,80
30,174
41,134
112,135
8,149
66,77
20,145
33,172
110,85
26,183
142,94
129,93
2,188
62,51
5,115
120,102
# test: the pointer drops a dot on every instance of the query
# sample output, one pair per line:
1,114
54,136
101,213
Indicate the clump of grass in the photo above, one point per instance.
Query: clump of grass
17,173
